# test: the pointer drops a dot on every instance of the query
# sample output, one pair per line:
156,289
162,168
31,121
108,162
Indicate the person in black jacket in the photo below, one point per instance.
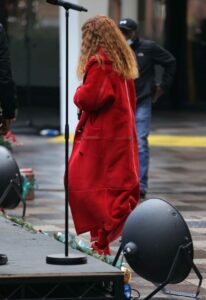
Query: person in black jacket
148,54
7,87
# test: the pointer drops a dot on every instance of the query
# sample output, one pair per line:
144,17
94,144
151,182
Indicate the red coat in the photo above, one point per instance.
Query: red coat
103,167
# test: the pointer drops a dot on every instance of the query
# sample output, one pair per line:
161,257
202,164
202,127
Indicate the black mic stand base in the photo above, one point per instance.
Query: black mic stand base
60,259
3,259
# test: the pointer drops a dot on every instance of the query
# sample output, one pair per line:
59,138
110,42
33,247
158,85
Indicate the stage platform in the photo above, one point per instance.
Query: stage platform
28,276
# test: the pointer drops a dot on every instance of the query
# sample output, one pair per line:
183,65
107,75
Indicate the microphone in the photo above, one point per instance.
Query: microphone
67,5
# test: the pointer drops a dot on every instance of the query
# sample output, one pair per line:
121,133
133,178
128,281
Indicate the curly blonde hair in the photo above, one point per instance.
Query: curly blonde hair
102,32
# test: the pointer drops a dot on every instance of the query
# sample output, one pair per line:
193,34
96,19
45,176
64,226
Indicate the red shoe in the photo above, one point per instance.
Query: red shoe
101,251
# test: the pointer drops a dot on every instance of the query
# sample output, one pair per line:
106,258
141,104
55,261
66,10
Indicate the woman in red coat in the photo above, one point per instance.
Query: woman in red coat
103,167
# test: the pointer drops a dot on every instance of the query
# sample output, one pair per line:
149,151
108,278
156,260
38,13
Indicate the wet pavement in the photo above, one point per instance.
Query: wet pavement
177,175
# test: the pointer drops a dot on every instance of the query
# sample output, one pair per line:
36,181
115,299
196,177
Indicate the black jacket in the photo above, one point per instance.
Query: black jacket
7,88
149,54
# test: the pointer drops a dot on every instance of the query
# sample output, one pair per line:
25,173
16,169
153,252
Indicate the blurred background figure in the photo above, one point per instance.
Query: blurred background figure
148,55
7,88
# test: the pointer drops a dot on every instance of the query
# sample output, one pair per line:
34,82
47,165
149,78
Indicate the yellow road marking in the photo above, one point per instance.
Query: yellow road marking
60,139
177,141
159,140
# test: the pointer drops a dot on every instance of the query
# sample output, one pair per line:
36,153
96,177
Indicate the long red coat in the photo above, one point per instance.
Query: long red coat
103,167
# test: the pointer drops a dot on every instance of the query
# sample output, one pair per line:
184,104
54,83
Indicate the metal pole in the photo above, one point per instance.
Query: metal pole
67,139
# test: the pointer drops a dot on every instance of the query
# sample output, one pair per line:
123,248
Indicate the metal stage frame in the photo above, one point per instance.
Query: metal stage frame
68,289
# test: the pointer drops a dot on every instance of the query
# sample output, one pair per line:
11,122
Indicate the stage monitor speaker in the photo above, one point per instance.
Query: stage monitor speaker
157,244
10,181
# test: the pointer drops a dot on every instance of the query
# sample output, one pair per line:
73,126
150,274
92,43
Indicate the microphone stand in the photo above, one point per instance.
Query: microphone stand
66,258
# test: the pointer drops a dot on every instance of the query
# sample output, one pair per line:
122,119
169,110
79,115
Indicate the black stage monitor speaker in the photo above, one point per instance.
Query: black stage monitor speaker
157,244
10,181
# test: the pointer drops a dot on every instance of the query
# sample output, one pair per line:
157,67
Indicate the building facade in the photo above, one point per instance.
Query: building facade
36,32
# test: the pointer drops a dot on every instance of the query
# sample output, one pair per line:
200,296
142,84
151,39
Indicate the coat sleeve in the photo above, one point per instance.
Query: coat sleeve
167,61
96,91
